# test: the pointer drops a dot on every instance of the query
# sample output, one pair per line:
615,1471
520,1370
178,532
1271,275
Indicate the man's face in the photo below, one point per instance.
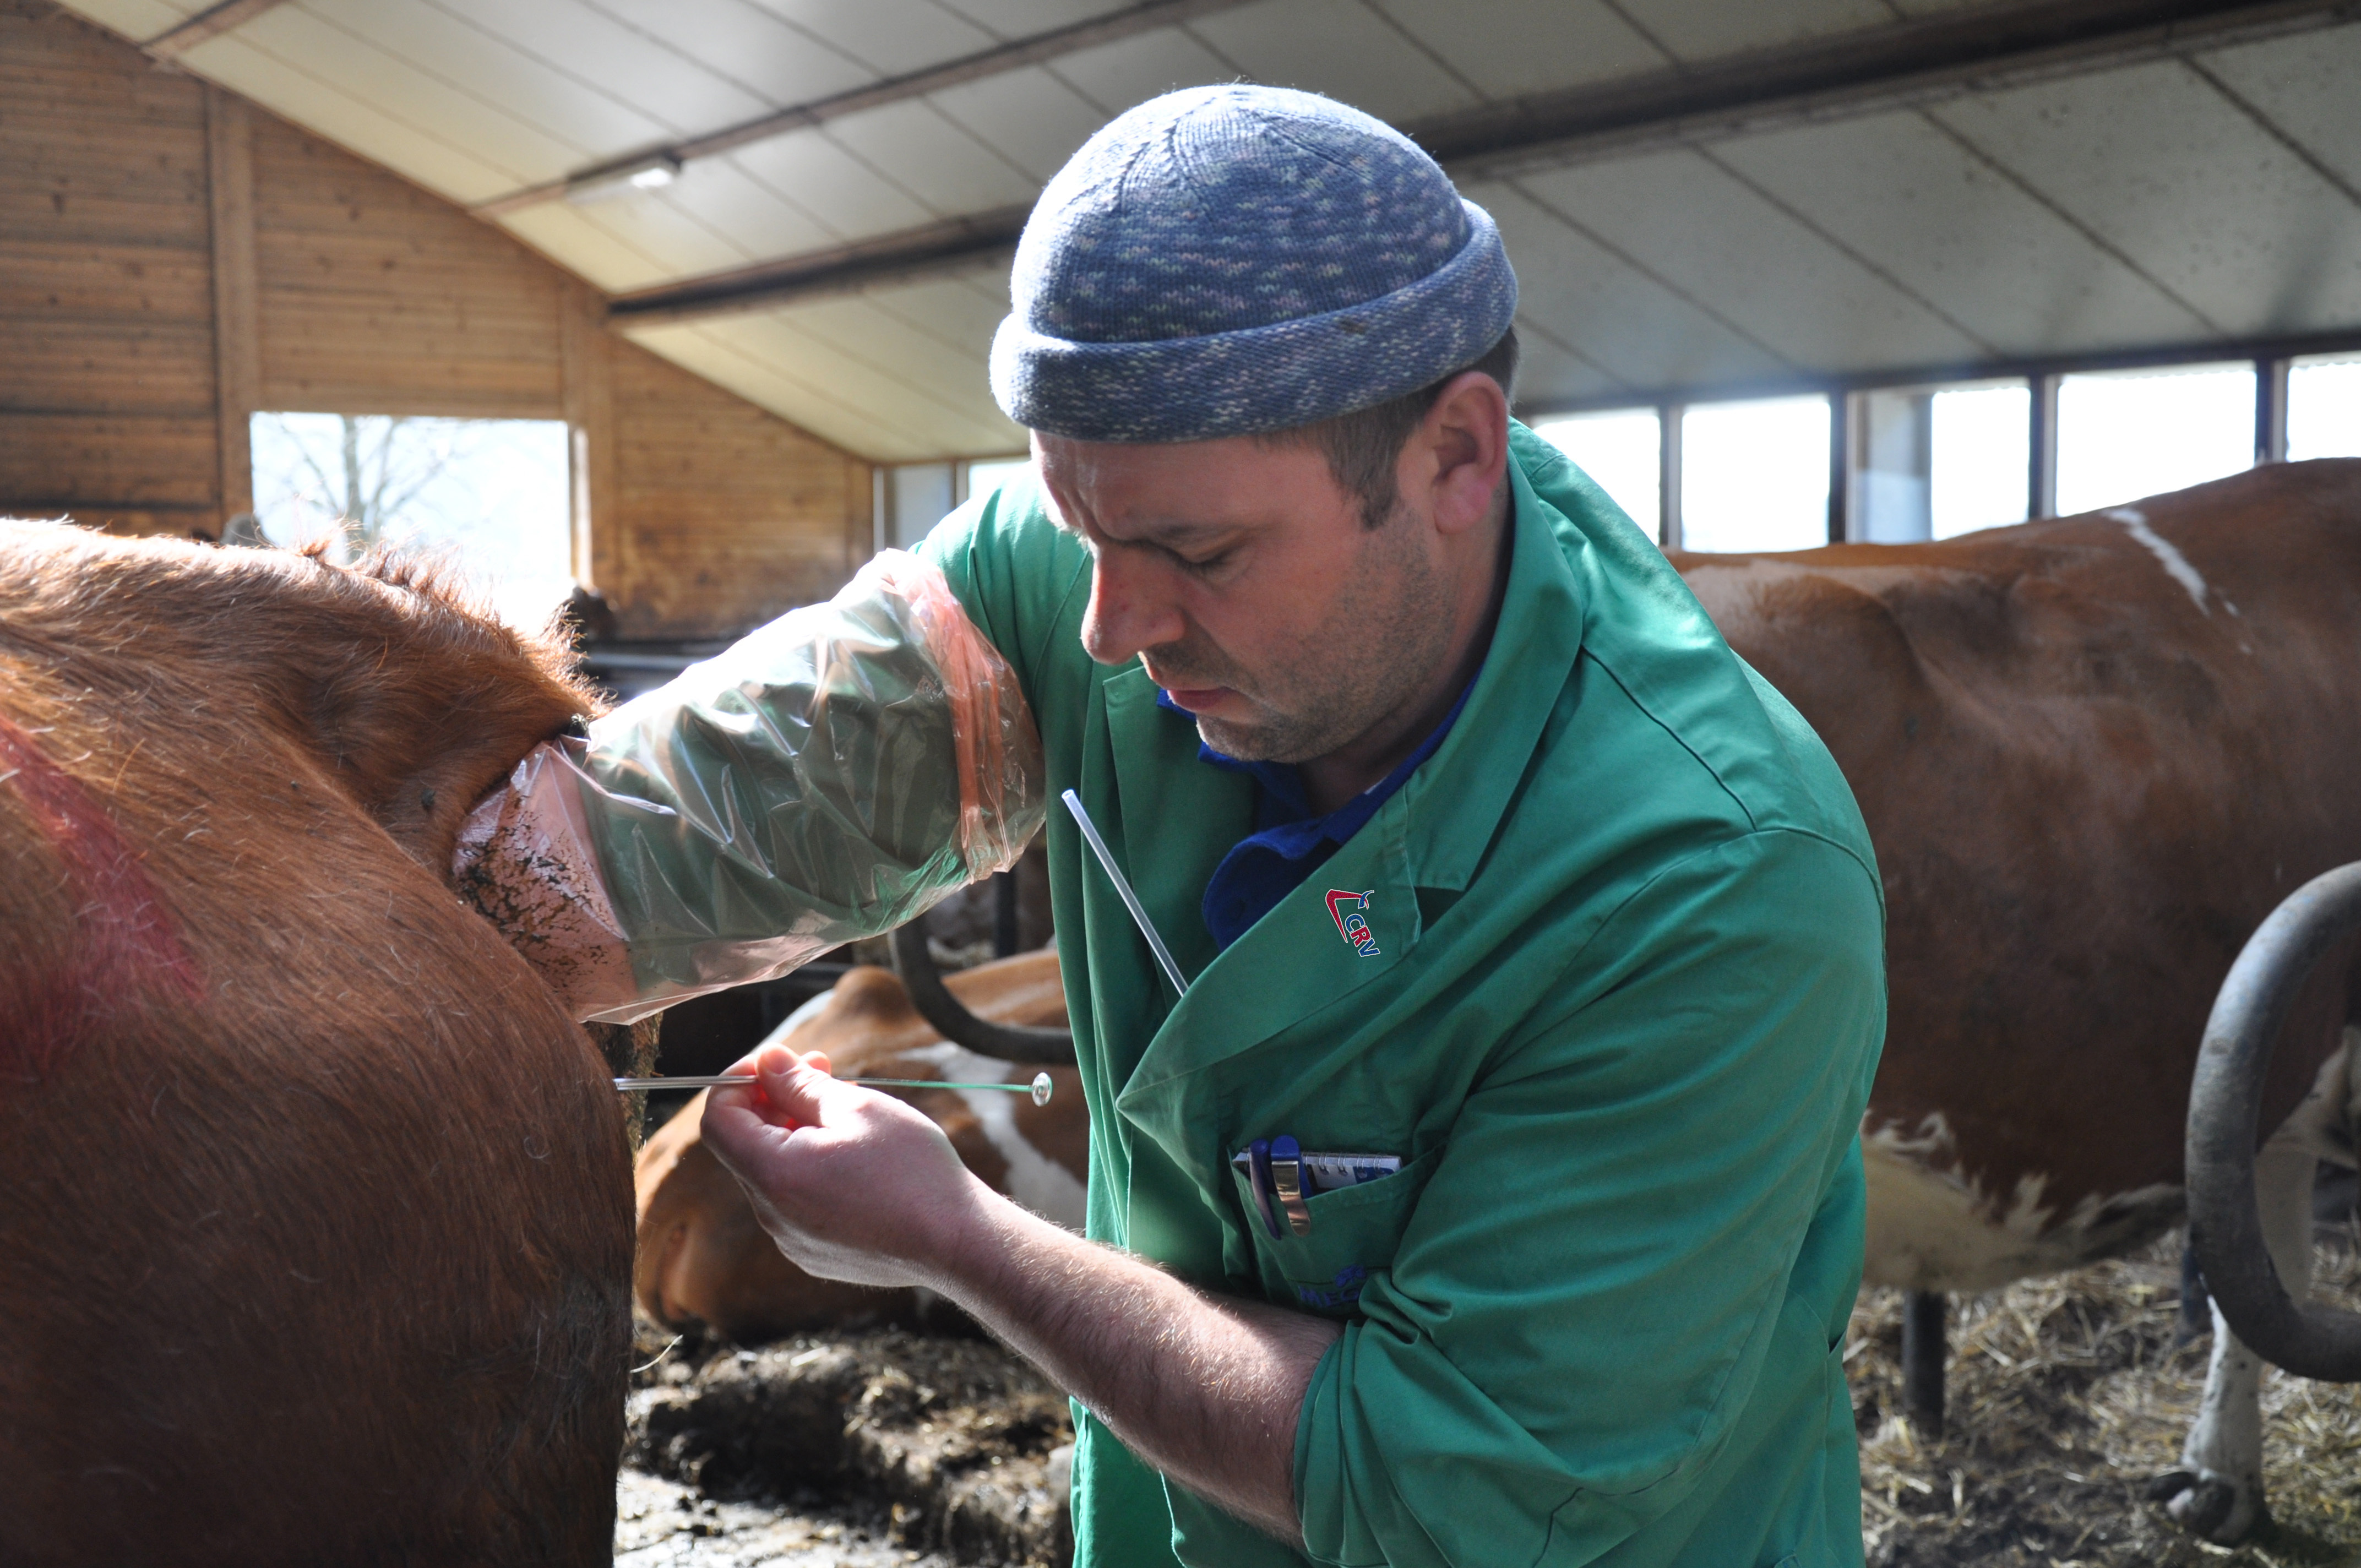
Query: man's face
1246,581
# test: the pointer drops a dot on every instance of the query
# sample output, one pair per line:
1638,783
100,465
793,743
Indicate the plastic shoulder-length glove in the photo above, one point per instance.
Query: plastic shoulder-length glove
829,777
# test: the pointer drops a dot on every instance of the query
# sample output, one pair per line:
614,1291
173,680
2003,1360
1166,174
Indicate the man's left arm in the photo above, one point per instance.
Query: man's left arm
859,1187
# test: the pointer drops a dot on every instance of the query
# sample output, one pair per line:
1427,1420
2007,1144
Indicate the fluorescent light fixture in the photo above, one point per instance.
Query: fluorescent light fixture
650,173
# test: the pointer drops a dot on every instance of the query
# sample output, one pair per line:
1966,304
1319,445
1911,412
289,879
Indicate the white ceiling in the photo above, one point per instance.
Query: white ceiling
2178,200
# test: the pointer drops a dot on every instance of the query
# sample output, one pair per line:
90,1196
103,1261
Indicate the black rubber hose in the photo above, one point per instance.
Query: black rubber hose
1007,1042
2225,1107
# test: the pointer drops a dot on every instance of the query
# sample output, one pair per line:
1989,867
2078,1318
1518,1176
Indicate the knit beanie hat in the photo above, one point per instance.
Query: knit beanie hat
1232,260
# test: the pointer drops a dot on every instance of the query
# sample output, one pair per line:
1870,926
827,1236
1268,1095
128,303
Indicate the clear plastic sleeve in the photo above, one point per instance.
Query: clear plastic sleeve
831,776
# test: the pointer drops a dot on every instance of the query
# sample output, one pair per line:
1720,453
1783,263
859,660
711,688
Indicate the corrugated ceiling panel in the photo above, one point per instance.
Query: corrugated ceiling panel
755,217
679,241
1117,75
765,55
329,108
1019,18
832,347
2192,190
846,194
1694,31
1549,374
1904,194
564,234
1511,48
1030,117
140,19
1634,329
891,36
483,82
2309,88
933,158
962,312
943,373
1738,257
628,64
954,413
773,380
1342,48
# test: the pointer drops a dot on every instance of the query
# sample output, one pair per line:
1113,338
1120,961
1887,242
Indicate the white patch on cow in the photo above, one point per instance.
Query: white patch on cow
2175,564
797,1019
1930,1228
1036,1180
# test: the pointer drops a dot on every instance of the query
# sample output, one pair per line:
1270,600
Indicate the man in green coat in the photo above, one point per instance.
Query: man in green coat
1493,1193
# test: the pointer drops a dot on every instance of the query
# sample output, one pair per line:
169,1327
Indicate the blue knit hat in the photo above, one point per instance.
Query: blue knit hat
1231,260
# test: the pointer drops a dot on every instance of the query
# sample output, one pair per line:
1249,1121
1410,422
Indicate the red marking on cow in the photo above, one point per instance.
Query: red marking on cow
126,940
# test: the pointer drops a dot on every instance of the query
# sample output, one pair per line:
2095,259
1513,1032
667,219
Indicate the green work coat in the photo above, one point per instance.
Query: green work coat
1618,1021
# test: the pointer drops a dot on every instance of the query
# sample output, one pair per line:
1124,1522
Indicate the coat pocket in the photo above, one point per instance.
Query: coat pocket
1353,1232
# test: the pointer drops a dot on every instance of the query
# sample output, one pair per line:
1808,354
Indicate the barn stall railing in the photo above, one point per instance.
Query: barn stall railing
2225,1103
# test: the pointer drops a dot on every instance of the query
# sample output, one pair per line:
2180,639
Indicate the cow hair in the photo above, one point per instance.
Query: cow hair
316,1228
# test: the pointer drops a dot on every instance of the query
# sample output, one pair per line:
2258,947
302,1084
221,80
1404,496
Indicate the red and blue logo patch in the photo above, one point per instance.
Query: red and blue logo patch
1350,911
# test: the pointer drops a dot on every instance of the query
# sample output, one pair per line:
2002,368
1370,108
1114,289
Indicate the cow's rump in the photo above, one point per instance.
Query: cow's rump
315,1219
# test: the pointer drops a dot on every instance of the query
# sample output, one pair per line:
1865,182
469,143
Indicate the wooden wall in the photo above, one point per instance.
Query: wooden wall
172,259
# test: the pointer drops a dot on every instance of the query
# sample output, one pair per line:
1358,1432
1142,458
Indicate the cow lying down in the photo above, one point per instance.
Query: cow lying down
313,1224
703,1258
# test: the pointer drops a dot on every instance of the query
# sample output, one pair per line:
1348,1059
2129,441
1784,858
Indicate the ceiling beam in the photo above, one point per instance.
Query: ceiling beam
1873,70
907,256
1146,16
211,22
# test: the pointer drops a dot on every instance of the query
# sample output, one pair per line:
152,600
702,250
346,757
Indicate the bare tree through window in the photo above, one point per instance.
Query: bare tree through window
492,492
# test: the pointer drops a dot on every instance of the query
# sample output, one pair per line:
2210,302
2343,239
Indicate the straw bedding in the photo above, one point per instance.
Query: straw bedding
2066,1397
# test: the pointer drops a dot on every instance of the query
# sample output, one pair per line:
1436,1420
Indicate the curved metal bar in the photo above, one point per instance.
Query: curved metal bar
935,1003
2225,1107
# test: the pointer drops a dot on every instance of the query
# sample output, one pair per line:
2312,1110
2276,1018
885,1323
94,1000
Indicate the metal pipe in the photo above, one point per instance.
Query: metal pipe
1040,1088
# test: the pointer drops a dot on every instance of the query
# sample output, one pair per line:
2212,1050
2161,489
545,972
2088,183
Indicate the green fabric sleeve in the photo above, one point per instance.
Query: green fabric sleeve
1018,573
1579,1312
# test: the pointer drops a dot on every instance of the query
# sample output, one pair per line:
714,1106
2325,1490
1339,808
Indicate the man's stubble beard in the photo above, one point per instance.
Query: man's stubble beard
1380,643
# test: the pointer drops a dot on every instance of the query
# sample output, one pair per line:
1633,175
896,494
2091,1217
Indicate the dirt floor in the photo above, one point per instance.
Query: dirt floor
2066,1396
853,1449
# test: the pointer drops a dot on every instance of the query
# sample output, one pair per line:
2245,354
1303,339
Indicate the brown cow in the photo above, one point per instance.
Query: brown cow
703,1257
315,1232
2094,753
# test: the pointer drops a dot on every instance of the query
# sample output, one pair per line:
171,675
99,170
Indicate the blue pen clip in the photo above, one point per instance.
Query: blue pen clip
1258,1176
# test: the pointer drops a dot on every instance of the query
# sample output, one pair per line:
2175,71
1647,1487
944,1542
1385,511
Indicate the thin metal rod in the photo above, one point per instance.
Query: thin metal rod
1040,1088
1130,899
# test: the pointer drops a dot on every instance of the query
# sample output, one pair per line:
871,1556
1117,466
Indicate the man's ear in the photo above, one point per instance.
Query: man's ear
1459,453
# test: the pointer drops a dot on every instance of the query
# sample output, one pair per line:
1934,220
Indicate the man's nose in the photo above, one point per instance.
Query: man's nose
1130,608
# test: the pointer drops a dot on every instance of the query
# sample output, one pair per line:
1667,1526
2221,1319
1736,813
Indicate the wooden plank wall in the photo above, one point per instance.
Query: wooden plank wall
139,209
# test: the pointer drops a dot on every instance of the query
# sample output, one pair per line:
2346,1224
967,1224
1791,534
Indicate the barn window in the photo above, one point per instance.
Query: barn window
491,492
985,477
1620,449
2123,434
1979,457
2324,416
913,497
1754,476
